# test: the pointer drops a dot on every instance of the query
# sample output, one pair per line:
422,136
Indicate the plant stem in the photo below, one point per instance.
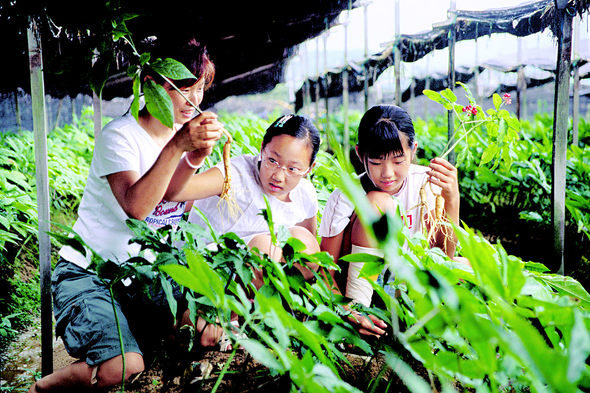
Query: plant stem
224,370
199,111
120,337
423,321
461,138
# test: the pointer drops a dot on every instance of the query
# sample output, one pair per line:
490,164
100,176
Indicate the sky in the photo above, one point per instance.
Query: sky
418,16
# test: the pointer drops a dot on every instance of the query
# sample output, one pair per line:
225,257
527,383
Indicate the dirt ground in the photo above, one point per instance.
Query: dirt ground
175,371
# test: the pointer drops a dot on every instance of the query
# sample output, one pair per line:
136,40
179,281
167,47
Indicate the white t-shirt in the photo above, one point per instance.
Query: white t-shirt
123,145
339,209
247,191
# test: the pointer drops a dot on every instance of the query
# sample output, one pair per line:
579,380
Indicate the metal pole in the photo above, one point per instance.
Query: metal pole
326,80
345,86
317,80
560,123
450,114
397,58
476,78
96,104
41,177
366,66
576,92
17,111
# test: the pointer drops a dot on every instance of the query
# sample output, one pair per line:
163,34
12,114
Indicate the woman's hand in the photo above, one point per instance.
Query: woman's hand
199,135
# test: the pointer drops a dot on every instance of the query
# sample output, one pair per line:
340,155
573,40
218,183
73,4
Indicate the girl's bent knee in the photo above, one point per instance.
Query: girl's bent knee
381,200
109,373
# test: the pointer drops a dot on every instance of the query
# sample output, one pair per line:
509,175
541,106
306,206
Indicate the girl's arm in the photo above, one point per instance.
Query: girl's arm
185,185
310,224
444,175
139,195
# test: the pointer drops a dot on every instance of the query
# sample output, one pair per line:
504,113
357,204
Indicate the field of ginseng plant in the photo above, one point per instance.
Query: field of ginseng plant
506,324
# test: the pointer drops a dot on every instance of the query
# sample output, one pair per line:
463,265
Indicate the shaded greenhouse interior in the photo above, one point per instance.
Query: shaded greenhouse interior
249,45
523,20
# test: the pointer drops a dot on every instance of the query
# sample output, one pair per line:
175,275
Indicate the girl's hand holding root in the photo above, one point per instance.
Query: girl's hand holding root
199,136
444,174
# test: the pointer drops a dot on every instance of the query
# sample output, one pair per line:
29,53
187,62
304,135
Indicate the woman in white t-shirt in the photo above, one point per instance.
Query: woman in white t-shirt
132,165
289,148
386,148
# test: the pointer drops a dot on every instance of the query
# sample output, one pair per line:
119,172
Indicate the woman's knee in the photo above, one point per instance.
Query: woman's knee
109,373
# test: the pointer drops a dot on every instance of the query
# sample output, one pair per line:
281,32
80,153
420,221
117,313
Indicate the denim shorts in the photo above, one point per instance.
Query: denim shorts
86,322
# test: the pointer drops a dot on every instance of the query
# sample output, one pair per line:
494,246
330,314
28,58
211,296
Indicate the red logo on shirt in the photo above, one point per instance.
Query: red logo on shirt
160,211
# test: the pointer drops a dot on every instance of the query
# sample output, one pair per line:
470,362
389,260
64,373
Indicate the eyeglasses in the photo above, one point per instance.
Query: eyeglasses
273,165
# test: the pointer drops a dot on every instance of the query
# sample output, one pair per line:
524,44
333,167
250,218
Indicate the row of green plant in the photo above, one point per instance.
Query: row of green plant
69,155
502,325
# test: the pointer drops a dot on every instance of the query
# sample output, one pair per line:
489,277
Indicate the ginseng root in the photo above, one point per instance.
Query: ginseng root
226,191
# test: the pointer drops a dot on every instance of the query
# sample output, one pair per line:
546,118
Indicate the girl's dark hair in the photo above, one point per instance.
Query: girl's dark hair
296,126
379,132
193,54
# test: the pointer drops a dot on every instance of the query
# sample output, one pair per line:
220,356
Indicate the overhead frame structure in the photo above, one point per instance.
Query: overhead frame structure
520,21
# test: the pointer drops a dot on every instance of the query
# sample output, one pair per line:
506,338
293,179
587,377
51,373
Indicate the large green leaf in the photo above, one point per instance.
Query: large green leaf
172,69
261,354
158,103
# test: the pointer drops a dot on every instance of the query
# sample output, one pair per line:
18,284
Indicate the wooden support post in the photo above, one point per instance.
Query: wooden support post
452,157
397,58
521,85
560,125
42,182
576,92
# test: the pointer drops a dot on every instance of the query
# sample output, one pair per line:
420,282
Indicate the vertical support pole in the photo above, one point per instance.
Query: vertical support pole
305,87
19,122
96,104
317,80
58,114
476,78
521,85
560,123
450,114
41,178
326,80
345,97
366,64
576,92
397,58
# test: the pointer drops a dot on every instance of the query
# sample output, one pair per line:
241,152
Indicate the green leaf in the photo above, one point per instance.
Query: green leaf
158,103
144,58
136,93
497,101
261,354
467,92
172,69
361,257
406,374
449,95
579,348
569,287
489,154
435,96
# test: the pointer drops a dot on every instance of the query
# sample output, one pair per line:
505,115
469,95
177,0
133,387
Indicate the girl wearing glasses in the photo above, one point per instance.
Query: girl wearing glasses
288,151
